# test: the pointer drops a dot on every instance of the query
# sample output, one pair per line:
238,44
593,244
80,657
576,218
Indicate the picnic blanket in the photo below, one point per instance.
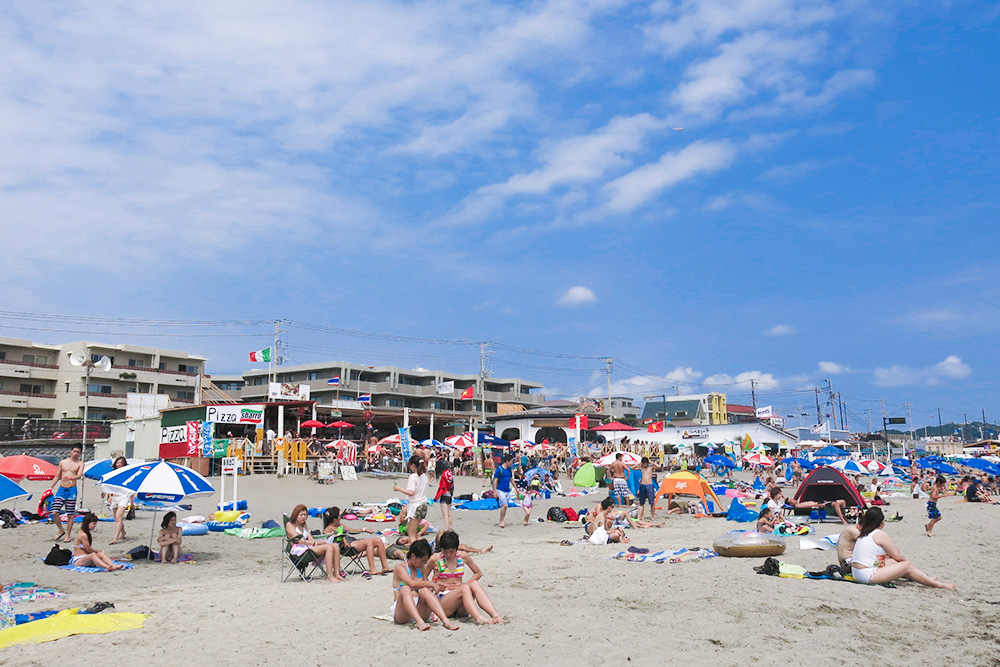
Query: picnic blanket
682,556
80,568
67,623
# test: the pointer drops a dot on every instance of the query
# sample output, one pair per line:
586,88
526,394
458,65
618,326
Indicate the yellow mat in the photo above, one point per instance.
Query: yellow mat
67,623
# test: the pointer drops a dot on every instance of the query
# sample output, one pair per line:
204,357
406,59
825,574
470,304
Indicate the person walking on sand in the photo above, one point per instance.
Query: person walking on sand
70,472
501,486
938,489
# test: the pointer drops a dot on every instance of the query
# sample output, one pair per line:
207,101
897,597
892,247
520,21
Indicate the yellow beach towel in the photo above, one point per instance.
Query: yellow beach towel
67,623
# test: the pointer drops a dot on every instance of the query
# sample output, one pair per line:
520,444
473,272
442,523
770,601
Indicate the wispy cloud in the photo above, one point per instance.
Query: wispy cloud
952,368
781,330
832,368
576,296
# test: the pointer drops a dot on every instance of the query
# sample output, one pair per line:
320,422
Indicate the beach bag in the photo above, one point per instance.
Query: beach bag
58,556
571,514
599,536
130,514
8,519
557,514
141,552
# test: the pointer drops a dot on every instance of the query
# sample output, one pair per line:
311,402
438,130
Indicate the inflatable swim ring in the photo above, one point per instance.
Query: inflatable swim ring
43,504
227,515
749,545
237,521
193,528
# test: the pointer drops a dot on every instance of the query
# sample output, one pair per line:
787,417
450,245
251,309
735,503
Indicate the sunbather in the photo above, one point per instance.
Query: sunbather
788,503
370,547
302,541
170,539
448,572
414,598
84,553
877,559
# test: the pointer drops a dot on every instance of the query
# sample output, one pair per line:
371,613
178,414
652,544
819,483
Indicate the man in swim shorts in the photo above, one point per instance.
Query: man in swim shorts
619,481
64,500
647,490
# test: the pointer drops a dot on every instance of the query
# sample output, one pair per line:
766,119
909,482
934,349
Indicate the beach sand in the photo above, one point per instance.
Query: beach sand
566,605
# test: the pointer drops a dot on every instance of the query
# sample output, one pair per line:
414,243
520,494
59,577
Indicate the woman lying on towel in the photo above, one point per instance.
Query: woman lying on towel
877,559
84,553
302,541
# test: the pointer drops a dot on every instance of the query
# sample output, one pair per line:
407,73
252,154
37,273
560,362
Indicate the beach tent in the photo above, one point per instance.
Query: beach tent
588,475
832,452
827,483
685,483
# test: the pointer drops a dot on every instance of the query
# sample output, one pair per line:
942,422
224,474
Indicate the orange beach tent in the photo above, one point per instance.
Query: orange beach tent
686,483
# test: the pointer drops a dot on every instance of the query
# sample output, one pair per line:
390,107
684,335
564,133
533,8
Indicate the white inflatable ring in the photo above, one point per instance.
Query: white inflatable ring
192,528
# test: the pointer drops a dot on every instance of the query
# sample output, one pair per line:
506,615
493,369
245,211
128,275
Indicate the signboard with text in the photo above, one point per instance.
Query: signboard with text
236,413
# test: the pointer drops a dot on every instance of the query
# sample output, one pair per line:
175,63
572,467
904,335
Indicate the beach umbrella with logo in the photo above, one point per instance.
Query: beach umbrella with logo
463,441
849,467
22,466
628,458
157,482
98,468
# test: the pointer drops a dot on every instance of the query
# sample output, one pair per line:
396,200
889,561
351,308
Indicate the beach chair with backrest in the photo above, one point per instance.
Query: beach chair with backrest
305,565
352,561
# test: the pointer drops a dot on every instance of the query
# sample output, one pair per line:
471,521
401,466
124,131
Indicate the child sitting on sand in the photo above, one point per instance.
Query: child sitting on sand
414,598
448,573
169,539
766,521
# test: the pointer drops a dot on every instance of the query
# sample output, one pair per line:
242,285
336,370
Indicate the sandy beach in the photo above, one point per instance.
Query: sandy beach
566,605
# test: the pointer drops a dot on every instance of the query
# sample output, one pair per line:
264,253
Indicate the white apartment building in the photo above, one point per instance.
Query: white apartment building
393,387
38,381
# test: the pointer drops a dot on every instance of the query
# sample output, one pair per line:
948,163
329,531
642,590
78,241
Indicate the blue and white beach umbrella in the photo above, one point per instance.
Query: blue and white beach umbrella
157,481
11,490
850,467
430,442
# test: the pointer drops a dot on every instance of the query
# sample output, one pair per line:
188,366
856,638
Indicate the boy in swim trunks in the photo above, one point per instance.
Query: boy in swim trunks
64,500
933,513
647,490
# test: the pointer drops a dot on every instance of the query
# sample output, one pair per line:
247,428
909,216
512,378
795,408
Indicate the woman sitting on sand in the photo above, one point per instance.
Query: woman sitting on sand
877,559
84,553
448,573
413,593
169,539
370,547
302,541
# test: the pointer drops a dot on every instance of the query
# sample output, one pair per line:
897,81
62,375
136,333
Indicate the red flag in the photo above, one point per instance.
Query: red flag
655,427
467,394
579,421
648,422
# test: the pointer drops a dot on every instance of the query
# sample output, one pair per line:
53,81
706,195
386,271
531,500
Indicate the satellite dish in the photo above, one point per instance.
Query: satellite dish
77,358
104,364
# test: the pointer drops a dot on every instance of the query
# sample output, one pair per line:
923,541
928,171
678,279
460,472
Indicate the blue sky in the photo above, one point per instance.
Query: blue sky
517,172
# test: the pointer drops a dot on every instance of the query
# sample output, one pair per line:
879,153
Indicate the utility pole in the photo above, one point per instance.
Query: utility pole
910,422
819,417
833,406
965,426
483,373
982,429
868,416
753,396
609,364
940,434
885,429
272,371
843,412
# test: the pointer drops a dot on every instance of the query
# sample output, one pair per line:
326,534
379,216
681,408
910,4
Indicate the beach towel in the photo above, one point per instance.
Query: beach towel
682,556
255,533
826,543
80,568
183,558
27,591
67,623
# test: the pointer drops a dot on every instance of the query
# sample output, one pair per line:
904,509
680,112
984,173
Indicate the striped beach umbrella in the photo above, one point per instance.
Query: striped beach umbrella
159,482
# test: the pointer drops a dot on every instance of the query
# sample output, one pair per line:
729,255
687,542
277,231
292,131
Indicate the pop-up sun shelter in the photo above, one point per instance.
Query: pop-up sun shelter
686,483
826,483
588,475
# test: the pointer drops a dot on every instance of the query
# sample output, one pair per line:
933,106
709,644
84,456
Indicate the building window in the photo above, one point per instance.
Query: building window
186,395
161,390
32,389
100,388
257,381
314,375
97,357
137,363
3,355
186,368
437,405
394,402
681,413
163,366
34,359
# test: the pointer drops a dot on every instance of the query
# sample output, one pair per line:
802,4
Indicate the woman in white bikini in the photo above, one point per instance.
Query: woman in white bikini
84,553
877,560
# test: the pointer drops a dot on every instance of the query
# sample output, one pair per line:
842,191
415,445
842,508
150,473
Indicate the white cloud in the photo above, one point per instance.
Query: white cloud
832,368
952,368
576,296
740,381
781,330
637,187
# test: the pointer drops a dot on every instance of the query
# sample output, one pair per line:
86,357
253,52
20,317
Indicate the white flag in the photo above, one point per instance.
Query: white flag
446,387
825,430
765,413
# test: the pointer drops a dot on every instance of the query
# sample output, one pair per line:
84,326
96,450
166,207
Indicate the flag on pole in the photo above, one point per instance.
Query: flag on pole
655,427
446,387
261,355
647,422
580,421
365,398
467,394
335,380
747,442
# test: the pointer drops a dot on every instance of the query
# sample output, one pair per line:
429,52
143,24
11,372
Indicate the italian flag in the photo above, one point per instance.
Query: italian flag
261,355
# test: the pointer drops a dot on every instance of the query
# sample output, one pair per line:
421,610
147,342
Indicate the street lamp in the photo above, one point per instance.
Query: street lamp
102,364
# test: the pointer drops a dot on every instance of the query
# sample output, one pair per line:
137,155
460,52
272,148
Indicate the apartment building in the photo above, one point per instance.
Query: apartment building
37,380
395,387
689,410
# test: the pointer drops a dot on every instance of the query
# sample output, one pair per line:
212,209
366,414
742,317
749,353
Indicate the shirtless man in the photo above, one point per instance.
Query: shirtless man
619,481
647,490
845,547
796,472
70,472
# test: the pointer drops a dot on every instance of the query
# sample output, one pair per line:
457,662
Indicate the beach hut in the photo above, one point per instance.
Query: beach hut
826,483
685,483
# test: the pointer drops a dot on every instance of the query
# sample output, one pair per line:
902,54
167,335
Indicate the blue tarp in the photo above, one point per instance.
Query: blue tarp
484,504
830,450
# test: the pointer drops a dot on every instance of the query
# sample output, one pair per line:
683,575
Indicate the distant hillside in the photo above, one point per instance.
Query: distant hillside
972,430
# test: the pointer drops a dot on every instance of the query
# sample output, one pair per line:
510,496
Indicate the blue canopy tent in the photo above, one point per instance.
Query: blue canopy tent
901,462
831,451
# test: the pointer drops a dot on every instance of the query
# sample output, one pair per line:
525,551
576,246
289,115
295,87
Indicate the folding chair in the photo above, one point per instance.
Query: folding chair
305,565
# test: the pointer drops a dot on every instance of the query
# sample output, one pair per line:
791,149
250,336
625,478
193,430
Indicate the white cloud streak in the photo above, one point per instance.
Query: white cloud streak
952,368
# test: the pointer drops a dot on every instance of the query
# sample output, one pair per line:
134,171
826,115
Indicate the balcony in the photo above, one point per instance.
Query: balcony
150,369
24,370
